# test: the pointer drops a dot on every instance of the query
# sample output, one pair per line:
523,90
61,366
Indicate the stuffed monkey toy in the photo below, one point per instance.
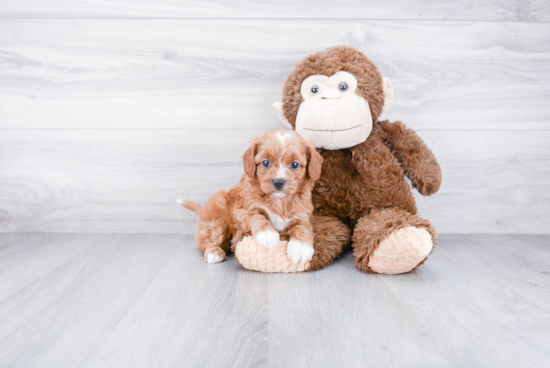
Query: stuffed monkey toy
334,98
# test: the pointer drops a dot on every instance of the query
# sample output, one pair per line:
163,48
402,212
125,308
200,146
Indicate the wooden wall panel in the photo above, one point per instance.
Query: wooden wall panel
128,181
509,10
111,110
225,74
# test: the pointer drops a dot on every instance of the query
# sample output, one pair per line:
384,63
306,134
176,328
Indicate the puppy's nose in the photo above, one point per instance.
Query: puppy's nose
278,183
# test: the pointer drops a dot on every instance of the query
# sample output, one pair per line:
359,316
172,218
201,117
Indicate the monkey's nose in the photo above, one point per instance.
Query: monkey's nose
278,183
330,94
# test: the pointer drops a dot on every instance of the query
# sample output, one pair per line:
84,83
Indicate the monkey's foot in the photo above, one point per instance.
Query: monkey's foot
402,251
253,256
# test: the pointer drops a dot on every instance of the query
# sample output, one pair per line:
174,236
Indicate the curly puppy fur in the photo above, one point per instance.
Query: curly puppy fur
257,206
364,188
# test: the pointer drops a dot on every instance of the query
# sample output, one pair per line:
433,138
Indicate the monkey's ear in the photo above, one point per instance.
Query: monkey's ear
278,106
388,93
315,163
249,158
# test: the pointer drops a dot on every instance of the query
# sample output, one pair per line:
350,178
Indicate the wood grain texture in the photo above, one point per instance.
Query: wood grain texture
510,10
128,181
106,300
225,74
93,297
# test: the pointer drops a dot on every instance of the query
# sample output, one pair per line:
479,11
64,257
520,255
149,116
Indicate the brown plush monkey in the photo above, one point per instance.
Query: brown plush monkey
334,99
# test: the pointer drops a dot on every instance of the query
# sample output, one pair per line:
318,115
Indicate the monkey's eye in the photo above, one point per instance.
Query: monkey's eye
343,86
294,165
266,163
314,89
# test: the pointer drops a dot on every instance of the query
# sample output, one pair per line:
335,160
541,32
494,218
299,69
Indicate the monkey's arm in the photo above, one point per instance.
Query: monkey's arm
418,162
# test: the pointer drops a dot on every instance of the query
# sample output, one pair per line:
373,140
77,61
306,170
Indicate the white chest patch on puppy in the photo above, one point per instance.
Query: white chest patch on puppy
277,221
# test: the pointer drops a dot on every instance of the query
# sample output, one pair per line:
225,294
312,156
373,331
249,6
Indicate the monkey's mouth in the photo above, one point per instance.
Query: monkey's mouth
332,131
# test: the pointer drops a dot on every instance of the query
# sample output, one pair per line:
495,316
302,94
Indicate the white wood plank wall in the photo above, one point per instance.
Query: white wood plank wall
109,111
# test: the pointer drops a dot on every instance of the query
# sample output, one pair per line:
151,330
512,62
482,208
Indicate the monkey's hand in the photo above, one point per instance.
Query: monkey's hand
418,162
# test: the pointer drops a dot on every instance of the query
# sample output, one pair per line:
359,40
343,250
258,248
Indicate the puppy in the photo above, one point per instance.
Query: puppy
273,199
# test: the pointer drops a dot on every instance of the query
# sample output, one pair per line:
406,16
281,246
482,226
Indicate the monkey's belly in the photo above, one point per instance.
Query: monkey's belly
346,195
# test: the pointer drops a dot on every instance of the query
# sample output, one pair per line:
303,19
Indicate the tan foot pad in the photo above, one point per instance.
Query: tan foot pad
253,256
401,251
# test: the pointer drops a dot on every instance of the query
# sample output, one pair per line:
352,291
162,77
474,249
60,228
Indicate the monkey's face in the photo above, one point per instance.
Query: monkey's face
332,115
341,97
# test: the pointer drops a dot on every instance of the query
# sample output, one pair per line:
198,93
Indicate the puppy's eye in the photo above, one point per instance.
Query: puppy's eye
294,165
343,86
314,89
266,163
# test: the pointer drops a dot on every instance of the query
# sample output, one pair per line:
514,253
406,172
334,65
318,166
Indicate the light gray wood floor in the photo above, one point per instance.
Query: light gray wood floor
107,300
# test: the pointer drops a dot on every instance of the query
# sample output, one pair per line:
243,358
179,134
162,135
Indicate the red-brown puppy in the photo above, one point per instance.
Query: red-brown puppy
272,199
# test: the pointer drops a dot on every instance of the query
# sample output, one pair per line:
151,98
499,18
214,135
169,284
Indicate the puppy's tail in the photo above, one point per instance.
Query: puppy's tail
193,206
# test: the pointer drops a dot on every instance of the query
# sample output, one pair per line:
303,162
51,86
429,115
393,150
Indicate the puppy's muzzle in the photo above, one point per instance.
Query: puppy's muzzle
278,183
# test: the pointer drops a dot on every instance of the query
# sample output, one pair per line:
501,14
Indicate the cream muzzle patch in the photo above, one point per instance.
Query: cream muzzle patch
332,115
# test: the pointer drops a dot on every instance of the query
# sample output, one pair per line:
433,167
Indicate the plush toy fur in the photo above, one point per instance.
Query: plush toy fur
362,190
329,62
254,257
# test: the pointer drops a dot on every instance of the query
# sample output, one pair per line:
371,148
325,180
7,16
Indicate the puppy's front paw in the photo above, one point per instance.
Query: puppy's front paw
299,251
269,238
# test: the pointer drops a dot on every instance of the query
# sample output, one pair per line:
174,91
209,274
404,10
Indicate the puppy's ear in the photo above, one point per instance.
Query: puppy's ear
249,157
315,162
